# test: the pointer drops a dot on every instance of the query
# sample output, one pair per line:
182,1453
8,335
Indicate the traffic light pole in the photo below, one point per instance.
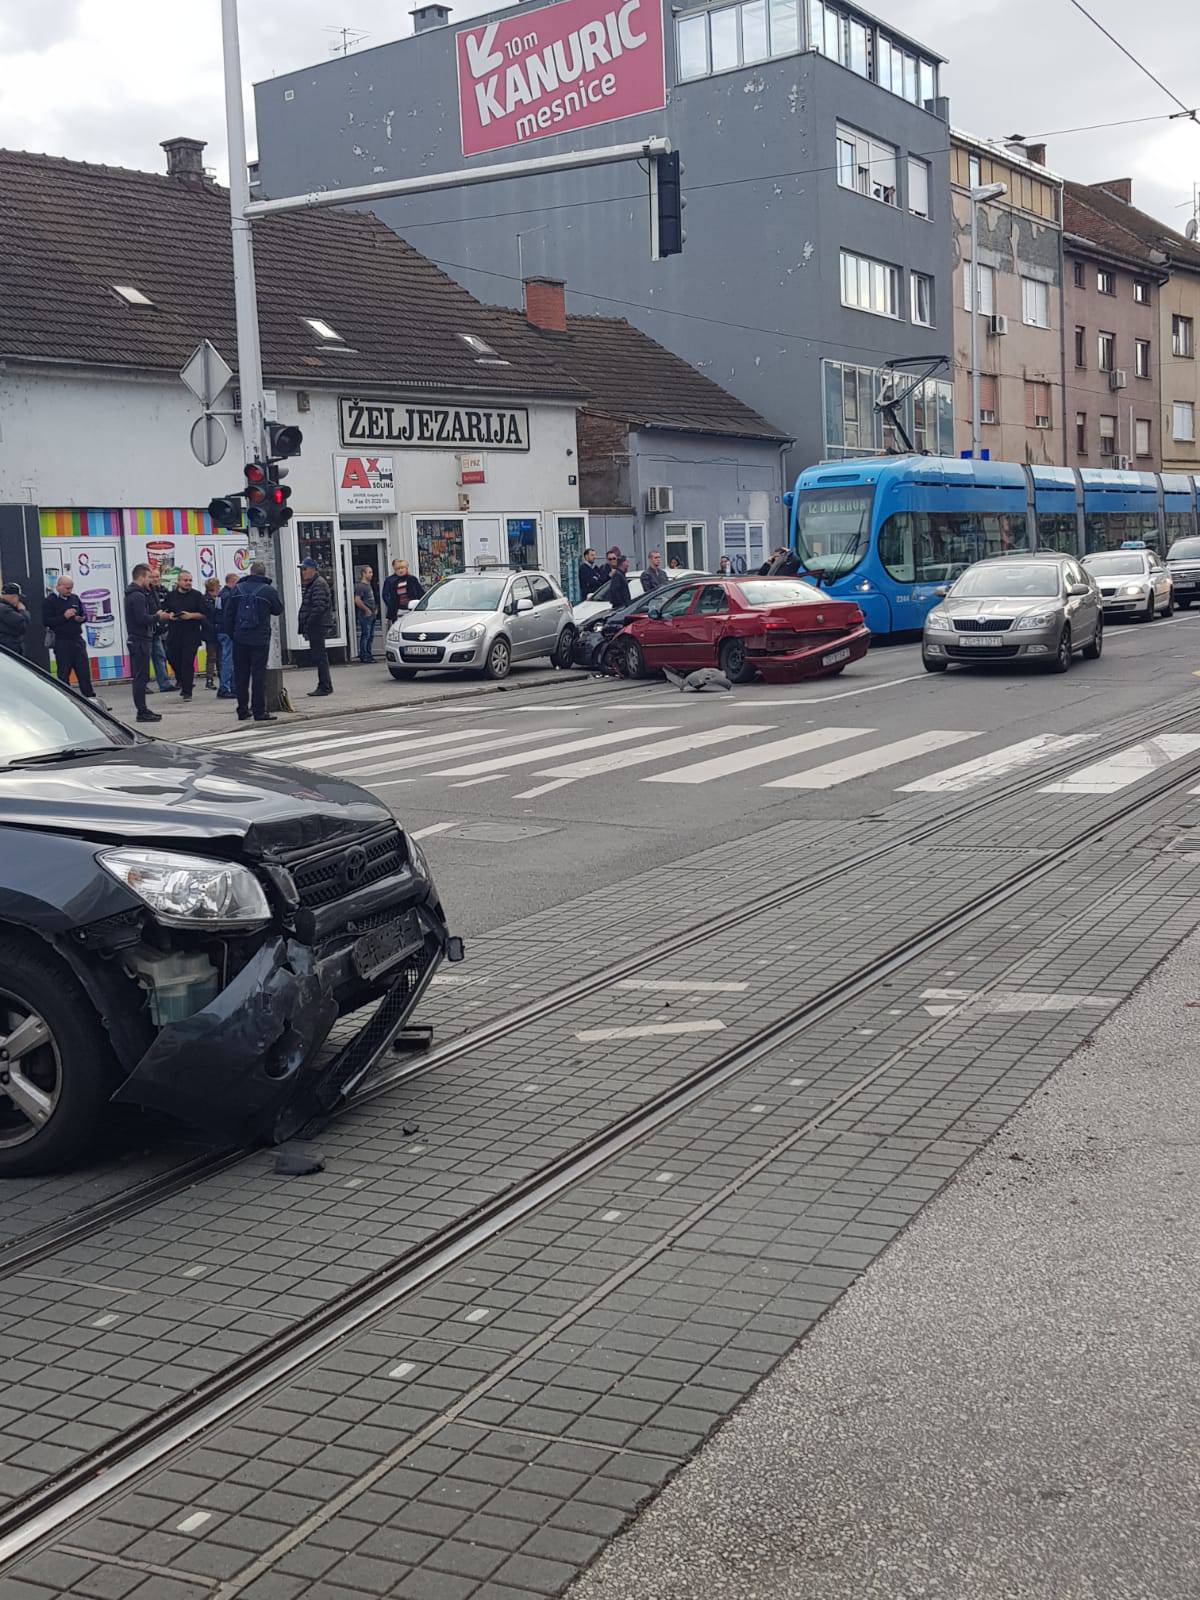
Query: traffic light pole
245,299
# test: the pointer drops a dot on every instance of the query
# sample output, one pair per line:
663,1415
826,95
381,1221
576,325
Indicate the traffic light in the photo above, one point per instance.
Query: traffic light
278,512
666,206
226,512
284,439
265,495
255,495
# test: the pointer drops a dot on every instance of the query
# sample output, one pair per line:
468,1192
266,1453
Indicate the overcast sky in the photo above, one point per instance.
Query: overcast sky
105,80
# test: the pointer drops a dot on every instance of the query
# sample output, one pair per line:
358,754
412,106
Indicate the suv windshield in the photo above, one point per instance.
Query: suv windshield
37,718
1121,564
1008,580
1184,550
463,594
833,527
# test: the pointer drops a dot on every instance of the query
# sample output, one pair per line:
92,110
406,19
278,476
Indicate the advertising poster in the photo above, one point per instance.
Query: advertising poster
93,560
364,485
567,66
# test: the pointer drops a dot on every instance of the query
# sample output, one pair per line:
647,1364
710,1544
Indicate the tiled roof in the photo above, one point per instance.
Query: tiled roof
1096,215
71,231
627,374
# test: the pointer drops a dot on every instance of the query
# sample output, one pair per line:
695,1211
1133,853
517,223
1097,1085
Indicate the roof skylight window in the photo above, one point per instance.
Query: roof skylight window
480,346
132,296
323,330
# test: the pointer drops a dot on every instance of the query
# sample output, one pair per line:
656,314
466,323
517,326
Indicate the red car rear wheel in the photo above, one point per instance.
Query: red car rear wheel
733,662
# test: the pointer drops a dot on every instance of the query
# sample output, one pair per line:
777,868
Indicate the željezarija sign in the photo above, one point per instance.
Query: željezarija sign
396,425
566,66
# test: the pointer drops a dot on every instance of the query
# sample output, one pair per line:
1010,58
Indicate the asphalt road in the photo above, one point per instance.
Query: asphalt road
524,799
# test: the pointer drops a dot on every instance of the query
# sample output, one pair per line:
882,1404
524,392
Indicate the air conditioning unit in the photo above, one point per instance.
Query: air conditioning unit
987,416
659,498
997,325
1124,463
1118,378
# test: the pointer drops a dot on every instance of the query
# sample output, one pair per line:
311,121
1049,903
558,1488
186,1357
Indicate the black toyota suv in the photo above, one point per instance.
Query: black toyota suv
180,928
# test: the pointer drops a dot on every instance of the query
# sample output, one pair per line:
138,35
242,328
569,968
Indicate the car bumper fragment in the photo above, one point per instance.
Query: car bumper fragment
814,661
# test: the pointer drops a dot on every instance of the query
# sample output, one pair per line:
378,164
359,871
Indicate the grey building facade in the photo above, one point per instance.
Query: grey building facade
816,174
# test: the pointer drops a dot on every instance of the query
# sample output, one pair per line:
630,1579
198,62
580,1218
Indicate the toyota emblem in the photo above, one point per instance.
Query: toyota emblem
354,867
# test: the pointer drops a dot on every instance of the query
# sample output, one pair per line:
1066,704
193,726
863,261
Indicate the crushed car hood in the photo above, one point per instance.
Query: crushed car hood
155,792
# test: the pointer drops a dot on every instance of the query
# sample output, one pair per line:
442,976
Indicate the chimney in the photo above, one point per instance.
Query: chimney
546,304
429,16
185,159
1119,188
1036,153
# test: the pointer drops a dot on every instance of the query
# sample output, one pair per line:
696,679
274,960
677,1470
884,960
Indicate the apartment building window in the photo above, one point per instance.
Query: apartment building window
1077,271
1108,436
1081,347
1081,433
921,289
987,289
1035,303
918,187
735,36
870,285
1037,405
1141,358
1141,436
1107,358
974,172
1183,420
870,53
1106,281
989,405
866,165
1141,291
1182,343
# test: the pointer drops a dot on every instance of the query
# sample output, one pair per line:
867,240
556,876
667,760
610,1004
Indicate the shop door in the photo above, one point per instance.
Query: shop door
485,542
572,542
359,551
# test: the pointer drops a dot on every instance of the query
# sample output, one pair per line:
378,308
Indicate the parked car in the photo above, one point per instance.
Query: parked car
1043,608
779,628
1183,563
599,604
180,928
1133,582
482,622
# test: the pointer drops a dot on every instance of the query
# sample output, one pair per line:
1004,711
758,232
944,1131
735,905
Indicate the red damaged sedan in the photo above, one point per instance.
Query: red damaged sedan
779,628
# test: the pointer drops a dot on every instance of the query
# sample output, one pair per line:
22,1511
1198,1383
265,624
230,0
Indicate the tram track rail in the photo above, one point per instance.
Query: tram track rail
42,1245
41,1513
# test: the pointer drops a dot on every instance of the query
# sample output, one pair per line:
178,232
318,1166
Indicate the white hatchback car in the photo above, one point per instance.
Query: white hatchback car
598,603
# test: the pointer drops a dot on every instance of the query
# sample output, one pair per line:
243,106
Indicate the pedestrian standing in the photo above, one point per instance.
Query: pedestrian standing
225,638
400,589
158,646
653,577
250,608
725,568
212,649
64,614
366,612
591,574
314,622
14,620
618,584
184,632
140,622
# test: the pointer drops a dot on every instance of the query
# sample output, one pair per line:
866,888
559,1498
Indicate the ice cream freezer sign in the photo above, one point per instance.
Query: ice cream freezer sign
566,66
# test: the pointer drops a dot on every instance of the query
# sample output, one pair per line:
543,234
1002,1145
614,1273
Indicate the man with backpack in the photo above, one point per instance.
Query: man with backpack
248,612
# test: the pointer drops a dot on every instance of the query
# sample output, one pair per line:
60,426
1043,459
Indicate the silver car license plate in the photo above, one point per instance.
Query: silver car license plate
982,641
422,650
834,657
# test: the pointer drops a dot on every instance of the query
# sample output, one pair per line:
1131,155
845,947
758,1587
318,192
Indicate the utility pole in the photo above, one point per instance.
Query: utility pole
987,191
245,300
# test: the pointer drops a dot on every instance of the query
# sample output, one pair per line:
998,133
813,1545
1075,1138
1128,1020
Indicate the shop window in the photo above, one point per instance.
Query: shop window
522,541
440,551
571,535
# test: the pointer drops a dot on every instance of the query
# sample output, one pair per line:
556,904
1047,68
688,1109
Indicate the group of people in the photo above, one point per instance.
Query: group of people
400,588
614,571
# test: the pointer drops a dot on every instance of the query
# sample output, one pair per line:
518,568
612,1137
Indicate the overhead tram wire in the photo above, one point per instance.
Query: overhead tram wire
1188,111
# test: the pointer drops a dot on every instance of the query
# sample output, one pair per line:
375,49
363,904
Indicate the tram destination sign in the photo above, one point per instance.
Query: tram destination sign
399,425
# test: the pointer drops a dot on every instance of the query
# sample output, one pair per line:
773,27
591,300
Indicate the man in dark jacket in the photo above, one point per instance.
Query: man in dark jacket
618,584
64,614
225,638
158,646
141,619
315,622
400,589
249,611
591,574
14,620
184,631
653,577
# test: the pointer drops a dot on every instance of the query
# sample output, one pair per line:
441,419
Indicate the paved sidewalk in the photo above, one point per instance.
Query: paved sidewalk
1004,1407
355,689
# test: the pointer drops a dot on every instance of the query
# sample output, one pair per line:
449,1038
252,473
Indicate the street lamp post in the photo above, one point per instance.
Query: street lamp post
987,191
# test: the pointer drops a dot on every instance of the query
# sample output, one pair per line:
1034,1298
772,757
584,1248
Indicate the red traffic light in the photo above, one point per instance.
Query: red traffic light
255,472
276,496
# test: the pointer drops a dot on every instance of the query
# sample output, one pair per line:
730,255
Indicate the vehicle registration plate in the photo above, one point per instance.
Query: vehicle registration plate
832,659
382,946
422,650
982,641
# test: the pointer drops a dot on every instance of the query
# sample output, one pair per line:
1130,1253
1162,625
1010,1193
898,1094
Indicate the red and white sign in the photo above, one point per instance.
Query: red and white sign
364,483
471,469
567,66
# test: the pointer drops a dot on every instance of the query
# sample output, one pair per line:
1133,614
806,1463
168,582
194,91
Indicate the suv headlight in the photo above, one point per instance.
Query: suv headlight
465,634
190,891
417,859
940,621
1041,619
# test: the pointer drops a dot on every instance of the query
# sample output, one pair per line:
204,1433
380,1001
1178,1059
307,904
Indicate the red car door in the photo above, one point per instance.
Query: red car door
708,620
662,634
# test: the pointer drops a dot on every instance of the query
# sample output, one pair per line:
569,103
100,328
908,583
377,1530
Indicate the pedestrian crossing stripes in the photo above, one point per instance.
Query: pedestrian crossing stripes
477,754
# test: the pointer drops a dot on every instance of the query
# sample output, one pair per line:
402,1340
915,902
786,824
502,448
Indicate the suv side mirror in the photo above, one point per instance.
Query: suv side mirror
1075,590
524,605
